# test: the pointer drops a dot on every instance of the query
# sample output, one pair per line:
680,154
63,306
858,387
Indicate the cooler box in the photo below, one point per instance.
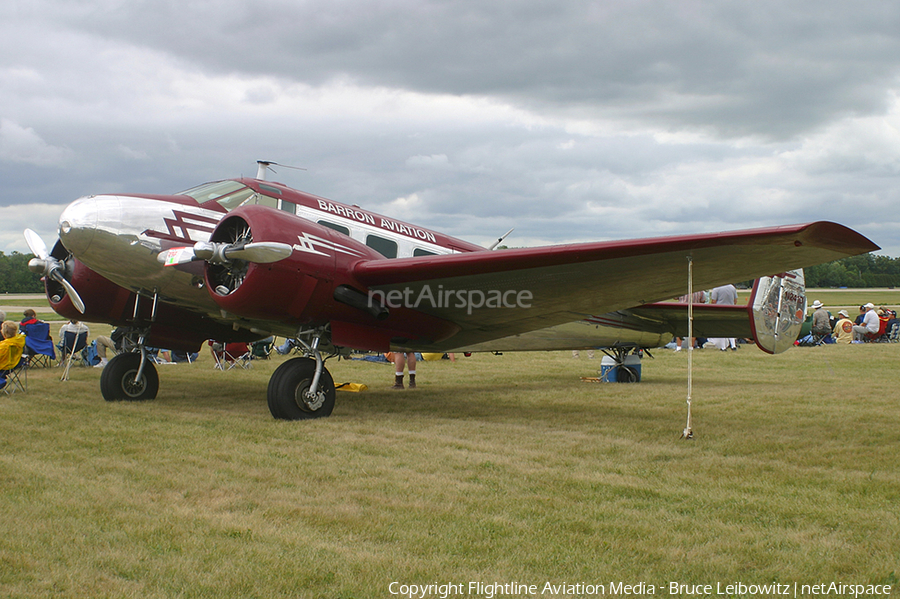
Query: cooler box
608,370
629,372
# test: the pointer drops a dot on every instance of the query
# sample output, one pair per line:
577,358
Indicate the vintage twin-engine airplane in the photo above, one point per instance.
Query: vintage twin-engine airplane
243,259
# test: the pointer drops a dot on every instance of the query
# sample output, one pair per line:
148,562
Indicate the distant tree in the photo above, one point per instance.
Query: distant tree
867,270
15,276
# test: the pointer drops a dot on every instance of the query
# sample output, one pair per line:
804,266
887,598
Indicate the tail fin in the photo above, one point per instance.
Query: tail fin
777,310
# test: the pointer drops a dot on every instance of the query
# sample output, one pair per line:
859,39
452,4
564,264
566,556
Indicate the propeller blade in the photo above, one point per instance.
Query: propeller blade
73,295
36,244
48,266
263,252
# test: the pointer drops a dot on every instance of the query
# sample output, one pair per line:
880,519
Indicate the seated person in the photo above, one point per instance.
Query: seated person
37,335
821,320
180,356
11,349
891,316
115,343
287,347
74,327
871,324
30,317
843,328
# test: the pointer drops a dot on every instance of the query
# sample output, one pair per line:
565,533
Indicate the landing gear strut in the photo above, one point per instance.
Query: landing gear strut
132,375
302,388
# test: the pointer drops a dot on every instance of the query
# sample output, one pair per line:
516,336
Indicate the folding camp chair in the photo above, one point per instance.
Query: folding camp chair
72,343
821,338
38,344
16,378
880,336
893,333
260,350
230,355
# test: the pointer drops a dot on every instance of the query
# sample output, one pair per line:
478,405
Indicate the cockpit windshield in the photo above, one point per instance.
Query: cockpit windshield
228,194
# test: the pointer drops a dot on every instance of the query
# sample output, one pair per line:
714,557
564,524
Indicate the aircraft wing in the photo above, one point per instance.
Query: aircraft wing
535,288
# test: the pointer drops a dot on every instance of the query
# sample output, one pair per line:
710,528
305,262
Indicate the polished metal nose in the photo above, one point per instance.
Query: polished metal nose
78,224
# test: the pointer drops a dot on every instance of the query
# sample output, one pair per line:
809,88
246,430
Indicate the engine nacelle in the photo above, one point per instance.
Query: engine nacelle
175,328
313,286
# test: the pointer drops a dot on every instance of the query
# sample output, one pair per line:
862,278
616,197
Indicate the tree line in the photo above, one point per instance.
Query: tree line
15,276
865,271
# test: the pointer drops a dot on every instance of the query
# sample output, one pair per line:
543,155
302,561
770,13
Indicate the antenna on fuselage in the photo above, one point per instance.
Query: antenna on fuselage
266,165
502,237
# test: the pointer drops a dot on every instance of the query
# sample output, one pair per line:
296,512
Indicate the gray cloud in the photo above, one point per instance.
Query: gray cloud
762,68
569,121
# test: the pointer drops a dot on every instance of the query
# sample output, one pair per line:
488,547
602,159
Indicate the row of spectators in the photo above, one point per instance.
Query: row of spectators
870,325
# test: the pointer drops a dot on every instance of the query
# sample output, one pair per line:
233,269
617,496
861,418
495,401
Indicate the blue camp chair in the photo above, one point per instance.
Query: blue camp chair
70,345
38,344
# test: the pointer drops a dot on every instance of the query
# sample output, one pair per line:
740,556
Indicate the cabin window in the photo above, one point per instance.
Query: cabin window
288,206
269,189
266,201
215,190
421,252
338,228
237,199
228,194
385,247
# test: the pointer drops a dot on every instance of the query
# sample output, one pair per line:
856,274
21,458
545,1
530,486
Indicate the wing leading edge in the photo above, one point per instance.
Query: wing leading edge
527,289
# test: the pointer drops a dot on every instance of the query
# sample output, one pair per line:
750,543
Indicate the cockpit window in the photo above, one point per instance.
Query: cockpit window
229,194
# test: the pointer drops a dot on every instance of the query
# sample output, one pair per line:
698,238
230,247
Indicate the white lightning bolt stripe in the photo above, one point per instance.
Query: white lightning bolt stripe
309,244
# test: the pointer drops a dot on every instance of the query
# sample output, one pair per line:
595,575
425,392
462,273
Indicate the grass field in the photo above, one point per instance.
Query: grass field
498,469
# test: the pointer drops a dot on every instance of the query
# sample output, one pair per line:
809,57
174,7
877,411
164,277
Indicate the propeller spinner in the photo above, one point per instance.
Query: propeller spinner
48,266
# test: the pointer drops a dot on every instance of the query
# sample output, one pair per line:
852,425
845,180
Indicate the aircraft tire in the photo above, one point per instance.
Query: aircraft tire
117,381
627,375
289,381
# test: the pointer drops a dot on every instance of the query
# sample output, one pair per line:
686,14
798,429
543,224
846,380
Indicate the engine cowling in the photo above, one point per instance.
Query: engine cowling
313,286
174,328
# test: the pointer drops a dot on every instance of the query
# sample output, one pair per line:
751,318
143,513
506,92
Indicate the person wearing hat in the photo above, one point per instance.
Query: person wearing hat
821,320
843,328
870,324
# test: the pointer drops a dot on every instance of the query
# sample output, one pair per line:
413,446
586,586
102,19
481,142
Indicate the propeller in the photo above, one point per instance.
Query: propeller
48,266
261,252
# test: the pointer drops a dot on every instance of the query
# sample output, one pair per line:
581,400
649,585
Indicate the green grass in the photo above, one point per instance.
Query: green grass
497,469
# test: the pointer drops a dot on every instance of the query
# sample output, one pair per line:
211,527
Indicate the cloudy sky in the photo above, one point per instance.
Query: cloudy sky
570,121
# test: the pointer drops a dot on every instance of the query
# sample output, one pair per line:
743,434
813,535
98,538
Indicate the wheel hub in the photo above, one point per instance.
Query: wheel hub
131,385
308,401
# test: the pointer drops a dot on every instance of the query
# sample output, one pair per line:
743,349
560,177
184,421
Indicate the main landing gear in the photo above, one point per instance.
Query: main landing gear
299,389
132,375
129,376
302,388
